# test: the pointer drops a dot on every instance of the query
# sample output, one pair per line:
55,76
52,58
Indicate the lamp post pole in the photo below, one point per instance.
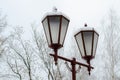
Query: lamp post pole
73,64
55,27
73,69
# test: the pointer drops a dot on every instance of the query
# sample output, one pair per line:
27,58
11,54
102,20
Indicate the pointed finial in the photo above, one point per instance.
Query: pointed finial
54,9
85,25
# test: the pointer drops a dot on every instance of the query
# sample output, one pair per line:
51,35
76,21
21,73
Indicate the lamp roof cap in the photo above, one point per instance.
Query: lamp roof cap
85,28
54,12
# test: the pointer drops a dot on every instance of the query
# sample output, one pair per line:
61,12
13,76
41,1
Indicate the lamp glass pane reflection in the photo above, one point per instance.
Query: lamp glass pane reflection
87,40
55,27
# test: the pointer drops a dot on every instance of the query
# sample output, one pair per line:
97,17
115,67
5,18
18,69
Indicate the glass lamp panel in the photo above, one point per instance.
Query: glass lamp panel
47,32
54,27
95,43
88,42
80,44
64,27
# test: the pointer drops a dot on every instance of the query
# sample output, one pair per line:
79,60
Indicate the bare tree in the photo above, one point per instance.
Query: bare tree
43,53
3,21
31,57
111,46
19,56
3,24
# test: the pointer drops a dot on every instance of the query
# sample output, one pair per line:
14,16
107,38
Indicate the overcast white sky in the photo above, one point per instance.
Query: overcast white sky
24,12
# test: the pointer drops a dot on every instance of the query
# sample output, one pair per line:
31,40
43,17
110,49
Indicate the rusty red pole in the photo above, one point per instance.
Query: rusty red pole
73,69
56,57
73,63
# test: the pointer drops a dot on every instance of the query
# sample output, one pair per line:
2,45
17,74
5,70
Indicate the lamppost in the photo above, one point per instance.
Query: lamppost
55,27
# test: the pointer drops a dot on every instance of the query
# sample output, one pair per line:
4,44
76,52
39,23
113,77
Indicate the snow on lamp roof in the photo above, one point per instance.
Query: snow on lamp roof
85,28
54,12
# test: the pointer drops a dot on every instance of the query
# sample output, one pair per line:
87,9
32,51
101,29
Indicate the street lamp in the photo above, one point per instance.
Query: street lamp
87,39
55,27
